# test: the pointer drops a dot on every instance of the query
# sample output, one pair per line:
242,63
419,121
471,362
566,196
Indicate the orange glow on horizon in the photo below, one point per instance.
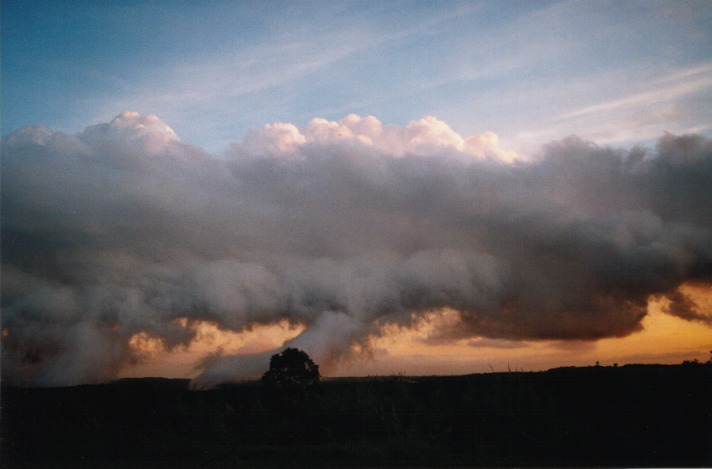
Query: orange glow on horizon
182,361
663,339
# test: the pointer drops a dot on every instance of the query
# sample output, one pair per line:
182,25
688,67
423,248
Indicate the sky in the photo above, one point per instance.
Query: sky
395,187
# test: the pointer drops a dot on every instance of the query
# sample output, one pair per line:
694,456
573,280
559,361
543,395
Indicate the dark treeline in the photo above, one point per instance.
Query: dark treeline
635,415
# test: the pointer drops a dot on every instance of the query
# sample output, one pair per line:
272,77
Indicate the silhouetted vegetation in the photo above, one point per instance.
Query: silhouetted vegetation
291,368
633,415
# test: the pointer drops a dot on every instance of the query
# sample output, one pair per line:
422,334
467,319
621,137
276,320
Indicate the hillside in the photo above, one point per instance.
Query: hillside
634,415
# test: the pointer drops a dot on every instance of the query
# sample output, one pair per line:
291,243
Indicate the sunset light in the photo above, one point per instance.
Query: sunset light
416,188
355,233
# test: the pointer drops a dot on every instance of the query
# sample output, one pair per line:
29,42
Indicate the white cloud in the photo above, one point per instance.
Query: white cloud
424,137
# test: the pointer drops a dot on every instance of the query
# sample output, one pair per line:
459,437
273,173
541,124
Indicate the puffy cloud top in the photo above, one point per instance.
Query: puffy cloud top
343,227
149,132
425,137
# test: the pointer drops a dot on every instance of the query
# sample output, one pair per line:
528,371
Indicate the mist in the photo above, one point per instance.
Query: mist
343,227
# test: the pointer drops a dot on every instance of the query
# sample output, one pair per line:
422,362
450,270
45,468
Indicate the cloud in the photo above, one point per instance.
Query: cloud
685,307
423,137
667,88
343,227
639,111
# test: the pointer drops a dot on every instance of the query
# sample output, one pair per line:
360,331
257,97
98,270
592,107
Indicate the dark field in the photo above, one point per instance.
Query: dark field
635,415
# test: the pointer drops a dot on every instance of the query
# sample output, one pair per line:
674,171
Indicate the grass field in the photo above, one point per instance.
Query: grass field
634,415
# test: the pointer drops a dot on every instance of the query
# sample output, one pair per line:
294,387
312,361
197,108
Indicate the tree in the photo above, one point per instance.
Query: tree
292,368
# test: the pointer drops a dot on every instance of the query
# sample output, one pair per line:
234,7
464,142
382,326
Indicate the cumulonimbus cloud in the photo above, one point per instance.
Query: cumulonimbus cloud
343,227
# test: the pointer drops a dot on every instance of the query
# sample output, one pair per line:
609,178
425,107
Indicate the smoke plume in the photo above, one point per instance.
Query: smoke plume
344,227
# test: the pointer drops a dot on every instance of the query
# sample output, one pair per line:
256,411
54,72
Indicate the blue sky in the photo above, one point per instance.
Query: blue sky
448,226
620,72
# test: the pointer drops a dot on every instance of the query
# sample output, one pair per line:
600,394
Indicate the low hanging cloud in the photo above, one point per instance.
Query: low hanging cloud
343,227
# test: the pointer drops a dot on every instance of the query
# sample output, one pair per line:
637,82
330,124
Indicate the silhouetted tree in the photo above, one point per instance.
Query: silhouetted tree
290,369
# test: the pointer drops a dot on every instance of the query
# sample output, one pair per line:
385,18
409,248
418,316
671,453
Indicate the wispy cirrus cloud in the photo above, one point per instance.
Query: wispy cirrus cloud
511,68
641,113
662,90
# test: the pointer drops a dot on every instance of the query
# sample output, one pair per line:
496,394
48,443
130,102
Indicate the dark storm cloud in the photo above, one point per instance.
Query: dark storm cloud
123,229
684,307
